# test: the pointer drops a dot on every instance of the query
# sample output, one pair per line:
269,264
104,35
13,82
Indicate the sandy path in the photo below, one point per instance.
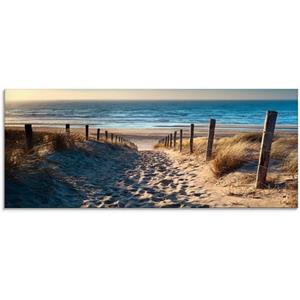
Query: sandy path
103,175
149,180
156,182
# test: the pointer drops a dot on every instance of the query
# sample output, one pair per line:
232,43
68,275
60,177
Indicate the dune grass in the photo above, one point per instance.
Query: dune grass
16,150
231,153
230,157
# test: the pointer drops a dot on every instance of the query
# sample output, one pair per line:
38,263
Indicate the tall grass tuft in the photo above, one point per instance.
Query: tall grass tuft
229,158
62,142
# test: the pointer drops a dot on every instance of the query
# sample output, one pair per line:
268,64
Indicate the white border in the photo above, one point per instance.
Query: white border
149,254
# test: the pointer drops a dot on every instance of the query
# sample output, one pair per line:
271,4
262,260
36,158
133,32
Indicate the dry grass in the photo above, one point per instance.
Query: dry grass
231,153
290,164
283,146
16,148
199,146
62,142
285,149
230,157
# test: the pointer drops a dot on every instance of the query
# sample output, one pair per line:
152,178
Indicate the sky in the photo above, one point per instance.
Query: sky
150,94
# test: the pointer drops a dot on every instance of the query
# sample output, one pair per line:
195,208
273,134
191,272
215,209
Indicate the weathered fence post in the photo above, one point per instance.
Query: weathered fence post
175,138
106,135
171,140
116,139
192,139
112,137
168,141
180,140
28,135
86,132
68,128
98,134
265,148
210,139
165,141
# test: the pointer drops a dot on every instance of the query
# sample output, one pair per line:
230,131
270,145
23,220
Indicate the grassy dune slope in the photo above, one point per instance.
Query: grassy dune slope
234,164
54,172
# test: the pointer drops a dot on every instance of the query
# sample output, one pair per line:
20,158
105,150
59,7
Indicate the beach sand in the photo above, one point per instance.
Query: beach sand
100,174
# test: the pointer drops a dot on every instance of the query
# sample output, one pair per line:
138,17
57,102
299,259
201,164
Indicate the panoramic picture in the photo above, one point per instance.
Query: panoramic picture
152,148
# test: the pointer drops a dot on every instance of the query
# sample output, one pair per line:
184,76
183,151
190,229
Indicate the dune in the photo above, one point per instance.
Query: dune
62,171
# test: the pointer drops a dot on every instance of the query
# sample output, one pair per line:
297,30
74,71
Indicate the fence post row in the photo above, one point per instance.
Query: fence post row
210,139
171,140
265,149
28,135
192,139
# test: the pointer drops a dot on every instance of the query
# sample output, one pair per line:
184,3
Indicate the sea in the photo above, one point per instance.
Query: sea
148,114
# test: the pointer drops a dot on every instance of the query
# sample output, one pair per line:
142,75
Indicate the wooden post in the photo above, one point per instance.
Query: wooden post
98,134
180,140
28,135
86,132
171,140
175,139
265,148
168,144
106,135
192,139
68,128
112,137
210,139
165,141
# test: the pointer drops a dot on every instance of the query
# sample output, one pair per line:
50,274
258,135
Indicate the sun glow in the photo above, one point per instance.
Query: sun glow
149,94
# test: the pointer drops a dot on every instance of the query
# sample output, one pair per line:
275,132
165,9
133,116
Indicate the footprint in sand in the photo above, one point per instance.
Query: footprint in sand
152,179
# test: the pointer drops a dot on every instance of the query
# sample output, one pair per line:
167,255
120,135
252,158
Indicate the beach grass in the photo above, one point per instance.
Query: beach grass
16,150
234,152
